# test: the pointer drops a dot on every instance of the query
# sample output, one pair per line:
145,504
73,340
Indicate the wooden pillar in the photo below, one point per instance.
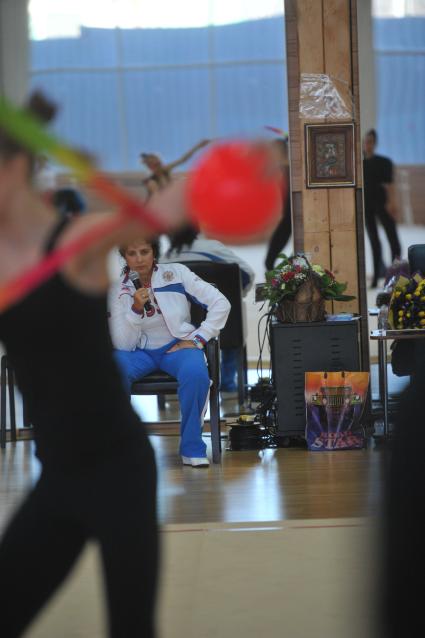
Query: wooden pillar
321,38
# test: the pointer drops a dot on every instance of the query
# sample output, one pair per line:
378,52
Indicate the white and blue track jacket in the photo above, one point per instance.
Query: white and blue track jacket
175,288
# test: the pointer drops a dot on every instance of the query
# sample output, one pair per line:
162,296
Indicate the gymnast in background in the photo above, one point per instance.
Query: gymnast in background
160,173
283,231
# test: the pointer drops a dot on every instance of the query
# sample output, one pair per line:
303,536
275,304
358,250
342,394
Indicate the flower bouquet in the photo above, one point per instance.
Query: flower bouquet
407,304
298,289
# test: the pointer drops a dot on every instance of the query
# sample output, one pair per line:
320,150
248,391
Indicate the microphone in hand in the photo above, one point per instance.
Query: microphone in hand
137,284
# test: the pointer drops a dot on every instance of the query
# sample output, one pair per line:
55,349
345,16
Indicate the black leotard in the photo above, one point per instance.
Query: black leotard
58,343
98,479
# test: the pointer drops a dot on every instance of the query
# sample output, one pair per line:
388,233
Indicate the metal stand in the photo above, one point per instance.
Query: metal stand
382,336
383,382
7,378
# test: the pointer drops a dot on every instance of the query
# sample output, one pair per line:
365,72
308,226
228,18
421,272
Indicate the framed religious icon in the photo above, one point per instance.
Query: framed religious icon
329,155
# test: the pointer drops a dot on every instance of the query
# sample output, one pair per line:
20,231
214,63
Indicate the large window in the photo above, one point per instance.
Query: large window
398,8
159,75
399,42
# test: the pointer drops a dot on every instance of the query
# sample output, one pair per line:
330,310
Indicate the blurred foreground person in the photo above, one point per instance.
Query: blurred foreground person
98,478
402,583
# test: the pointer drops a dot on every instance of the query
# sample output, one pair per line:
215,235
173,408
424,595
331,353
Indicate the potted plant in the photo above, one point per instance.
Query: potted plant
297,289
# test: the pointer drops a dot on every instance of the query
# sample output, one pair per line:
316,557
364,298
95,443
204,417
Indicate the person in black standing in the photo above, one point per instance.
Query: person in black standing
402,559
379,201
98,479
283,231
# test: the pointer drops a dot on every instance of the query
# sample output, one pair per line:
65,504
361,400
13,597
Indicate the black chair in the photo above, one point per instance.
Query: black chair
227,278
7,379
163,383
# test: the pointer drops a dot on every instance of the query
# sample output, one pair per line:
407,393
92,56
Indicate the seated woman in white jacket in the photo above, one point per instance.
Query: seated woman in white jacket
150,326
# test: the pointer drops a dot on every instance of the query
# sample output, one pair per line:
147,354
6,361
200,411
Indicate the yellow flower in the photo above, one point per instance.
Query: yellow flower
408,296
421,313
422,322
400,313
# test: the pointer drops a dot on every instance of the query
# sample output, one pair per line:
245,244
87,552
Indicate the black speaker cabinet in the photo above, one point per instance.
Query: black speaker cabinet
308,347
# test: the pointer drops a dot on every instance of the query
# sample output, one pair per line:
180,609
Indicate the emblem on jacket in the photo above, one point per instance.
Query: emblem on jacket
168,275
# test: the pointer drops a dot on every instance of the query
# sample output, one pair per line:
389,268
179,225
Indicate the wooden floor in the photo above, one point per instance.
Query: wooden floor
269,485
249,486
272,485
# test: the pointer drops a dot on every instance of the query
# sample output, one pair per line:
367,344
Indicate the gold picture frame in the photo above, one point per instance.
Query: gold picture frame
330,160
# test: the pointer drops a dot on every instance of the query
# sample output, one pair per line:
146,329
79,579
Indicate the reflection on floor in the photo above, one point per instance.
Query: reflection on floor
249,486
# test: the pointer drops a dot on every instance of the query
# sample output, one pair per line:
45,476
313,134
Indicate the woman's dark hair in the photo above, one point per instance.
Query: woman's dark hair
123,249
154,244
40,108
183,237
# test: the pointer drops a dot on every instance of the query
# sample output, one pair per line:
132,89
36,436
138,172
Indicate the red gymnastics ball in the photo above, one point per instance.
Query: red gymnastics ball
234,193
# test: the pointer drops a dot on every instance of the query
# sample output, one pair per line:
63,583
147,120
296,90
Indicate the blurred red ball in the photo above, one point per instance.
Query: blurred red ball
234,193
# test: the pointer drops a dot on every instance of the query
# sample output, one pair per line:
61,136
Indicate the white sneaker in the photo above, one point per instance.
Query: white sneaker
195,461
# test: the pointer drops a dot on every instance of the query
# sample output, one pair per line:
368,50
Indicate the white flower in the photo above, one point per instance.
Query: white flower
318,269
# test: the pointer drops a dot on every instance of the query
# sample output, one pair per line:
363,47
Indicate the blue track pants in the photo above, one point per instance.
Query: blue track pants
189,367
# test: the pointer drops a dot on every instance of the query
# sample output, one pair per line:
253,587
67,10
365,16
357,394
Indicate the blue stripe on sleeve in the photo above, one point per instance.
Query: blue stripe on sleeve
172,288
179,288
195,300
